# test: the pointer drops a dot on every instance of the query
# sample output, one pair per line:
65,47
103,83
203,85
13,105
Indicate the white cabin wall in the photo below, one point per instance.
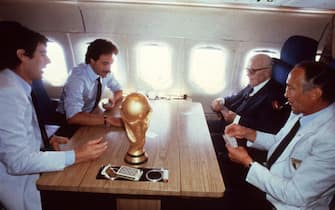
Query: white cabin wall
181,27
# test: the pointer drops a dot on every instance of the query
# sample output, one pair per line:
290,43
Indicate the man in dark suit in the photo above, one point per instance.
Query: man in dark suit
260,105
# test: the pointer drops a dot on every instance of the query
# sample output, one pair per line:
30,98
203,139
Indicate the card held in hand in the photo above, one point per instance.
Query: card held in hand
231,141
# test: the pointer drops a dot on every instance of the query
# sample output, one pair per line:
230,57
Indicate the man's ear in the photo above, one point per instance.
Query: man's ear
316,93
92,61
21,54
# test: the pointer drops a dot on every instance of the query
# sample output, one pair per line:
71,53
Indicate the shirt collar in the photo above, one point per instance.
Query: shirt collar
91,73
258,87
308,118
25,86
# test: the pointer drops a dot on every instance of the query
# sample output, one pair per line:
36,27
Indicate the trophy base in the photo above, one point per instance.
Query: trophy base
136,160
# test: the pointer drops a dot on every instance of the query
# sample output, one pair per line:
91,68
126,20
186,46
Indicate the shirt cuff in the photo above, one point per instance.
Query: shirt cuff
237,119
69,158
221,102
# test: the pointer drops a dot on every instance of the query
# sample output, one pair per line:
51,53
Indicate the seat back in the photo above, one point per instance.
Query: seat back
280,71
295,49
46,106
332,64
43,99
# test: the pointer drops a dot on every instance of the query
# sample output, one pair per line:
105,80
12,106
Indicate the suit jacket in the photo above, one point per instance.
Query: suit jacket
303,177
20,141
257,112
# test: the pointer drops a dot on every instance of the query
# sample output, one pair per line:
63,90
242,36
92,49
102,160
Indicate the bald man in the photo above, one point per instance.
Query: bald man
258,106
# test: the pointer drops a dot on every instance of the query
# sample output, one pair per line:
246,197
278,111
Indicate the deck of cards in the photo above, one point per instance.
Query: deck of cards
231,141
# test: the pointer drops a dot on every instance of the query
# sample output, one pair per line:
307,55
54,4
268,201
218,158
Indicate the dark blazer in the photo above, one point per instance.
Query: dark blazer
258,111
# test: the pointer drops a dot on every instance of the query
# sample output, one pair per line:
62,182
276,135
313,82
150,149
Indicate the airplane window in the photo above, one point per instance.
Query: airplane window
270,52
55,72
207,68
154,65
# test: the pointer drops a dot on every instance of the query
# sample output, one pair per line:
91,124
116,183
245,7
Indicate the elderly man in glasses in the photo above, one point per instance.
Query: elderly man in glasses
260,105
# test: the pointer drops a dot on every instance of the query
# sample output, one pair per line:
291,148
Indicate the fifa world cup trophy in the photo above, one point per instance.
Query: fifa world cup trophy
135,113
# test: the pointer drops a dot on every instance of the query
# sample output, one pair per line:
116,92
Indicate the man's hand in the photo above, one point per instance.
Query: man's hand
110,105
239,155
228,115
55,141
217,104
117,122
240,132
90,150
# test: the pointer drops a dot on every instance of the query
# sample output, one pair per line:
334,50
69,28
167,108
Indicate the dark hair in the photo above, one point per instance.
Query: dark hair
320,75
99,47
14,36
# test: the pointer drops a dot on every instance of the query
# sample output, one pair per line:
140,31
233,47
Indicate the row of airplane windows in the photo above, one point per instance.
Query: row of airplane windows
154,66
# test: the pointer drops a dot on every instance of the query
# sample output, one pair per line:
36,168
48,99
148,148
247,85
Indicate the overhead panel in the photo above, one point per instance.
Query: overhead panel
246,4
198,23
44,16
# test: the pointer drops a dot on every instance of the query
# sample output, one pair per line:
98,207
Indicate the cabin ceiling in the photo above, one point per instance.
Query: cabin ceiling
294,4
316,5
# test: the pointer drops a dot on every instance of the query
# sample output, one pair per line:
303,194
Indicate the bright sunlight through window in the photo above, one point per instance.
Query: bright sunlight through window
270,52
207,69
154,65
56,72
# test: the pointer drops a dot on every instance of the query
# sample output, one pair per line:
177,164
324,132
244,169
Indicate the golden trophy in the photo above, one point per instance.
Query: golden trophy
135,113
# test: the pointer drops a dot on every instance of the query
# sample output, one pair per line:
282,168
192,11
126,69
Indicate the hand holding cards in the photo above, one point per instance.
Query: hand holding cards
231,141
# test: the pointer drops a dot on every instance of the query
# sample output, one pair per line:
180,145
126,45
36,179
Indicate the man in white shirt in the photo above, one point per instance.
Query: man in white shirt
300,171
22,58
83,89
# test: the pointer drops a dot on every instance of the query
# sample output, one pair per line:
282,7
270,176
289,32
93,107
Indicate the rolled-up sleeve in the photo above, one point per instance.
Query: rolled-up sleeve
73,97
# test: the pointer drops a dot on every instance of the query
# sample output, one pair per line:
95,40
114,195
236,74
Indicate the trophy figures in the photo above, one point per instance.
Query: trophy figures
135,113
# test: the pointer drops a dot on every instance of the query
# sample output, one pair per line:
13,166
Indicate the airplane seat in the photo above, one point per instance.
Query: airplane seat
46,105
55,122
294,50
280,71
332,64
332,203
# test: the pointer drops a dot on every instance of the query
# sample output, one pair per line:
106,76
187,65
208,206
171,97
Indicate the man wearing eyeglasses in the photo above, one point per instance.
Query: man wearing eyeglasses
257,103
258,106
300,171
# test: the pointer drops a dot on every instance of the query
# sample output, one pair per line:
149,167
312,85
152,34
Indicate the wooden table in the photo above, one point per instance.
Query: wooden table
177,139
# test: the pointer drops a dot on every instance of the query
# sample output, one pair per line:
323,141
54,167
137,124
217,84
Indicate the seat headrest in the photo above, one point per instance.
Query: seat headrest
297,49
280,71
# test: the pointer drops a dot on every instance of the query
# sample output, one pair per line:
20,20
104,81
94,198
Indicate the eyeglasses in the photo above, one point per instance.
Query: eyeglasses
254,71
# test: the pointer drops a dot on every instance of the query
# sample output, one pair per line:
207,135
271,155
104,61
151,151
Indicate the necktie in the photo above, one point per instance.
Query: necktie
40,121
247,96
244,101
283,144
98,96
